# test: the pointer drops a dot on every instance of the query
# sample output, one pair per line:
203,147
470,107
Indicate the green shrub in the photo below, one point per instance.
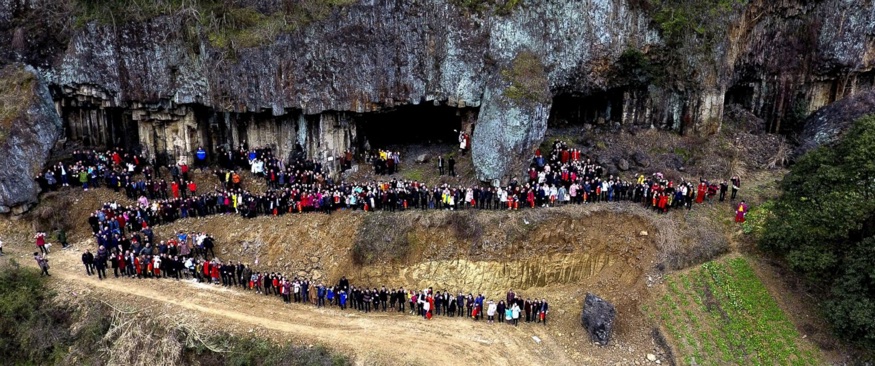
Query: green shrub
823,224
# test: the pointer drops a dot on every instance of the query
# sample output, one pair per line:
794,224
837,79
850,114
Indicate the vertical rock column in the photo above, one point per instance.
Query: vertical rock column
513,118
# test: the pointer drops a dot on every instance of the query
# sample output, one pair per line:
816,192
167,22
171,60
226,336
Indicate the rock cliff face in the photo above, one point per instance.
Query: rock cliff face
29,127
167,84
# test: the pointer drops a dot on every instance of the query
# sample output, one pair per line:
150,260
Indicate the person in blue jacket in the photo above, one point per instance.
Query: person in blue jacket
201,158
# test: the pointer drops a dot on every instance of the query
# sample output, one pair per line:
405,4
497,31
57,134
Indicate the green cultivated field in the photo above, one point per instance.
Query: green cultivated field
720,313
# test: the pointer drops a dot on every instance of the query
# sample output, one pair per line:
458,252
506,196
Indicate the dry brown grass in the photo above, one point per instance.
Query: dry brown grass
53,213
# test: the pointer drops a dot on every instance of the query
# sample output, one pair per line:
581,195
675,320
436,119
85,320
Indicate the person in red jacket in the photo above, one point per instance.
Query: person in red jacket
192,188
174,187
701,191
214,269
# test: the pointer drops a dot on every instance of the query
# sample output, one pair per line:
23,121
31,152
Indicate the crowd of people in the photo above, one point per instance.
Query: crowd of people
564,176
191,256
127,245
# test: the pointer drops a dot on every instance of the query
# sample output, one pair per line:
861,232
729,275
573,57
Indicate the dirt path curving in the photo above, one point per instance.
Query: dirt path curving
369,338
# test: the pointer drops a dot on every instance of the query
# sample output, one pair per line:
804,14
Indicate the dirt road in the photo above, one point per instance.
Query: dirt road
369,338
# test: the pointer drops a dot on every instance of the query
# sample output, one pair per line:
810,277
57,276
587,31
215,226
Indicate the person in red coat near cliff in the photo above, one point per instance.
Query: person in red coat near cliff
192,188
174,187
740,212
214,271
701,191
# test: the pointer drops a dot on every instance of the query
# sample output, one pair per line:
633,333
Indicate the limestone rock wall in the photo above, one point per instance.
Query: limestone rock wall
781,60
29,127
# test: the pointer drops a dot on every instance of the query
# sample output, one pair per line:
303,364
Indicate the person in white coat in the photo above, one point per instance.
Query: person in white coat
515,311
490,311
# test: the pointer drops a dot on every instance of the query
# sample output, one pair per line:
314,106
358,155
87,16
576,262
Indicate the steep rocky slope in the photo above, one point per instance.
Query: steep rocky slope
29,127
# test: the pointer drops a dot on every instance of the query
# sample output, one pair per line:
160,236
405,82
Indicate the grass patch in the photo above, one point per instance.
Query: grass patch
224,23
527,79
245,351
721,313
35,329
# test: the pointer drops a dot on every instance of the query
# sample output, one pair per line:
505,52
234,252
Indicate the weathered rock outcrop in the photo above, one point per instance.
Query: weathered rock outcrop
29,127
827,125
598,319
168,83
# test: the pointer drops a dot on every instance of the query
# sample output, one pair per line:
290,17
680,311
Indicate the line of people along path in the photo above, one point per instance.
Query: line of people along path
174,259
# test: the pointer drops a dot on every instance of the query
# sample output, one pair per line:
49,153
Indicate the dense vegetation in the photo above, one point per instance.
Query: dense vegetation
721,313
824,226
36,329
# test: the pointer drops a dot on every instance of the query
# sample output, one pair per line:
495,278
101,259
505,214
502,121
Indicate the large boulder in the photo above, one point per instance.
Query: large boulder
827,125
29,127
513,117
598,318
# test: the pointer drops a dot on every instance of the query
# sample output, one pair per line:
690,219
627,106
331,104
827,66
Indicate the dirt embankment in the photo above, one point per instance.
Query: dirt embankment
557,254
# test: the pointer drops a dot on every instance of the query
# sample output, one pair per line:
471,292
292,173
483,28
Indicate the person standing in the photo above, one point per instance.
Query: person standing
440,163
320,296
515,313
42,262
736,185
527,308
62,238
490,311
723,188
200,158
740,212
41,242
100,262
88,261
451,164
544,310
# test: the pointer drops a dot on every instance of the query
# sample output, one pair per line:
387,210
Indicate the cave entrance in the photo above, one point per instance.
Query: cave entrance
574,110
739,94
423,124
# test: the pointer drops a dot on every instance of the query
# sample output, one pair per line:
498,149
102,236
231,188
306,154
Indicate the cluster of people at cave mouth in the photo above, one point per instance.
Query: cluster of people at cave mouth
188,256
564,176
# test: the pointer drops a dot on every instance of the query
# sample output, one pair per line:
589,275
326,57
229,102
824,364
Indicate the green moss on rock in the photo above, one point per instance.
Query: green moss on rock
527,80
16,92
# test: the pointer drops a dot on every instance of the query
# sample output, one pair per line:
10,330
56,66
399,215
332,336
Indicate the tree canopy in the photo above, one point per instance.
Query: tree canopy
824,226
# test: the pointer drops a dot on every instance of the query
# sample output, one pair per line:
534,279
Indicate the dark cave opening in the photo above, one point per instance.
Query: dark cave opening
422,124
594,108
739,94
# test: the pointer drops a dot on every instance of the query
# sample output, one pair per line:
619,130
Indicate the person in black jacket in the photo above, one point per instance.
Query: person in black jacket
88,261
100,265
384,297
208,247
343,284
544,310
